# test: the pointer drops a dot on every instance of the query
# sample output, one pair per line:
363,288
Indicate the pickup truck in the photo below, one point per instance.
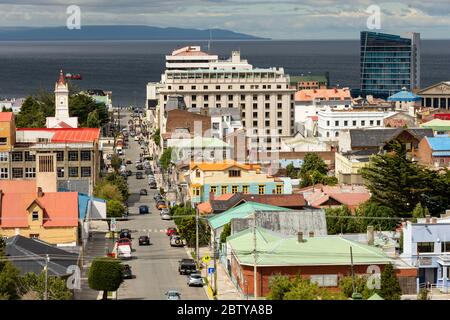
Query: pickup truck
187,266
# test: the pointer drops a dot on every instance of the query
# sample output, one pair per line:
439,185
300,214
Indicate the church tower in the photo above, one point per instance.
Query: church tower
62,118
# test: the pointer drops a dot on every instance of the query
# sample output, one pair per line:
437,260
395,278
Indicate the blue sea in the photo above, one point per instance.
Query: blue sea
125,67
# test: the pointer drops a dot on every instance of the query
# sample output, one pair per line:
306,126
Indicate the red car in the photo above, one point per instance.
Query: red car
124,242
171,231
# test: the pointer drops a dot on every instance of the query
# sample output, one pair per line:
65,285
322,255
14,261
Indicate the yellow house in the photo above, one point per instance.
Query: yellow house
232,177
347,169
50,216
7,131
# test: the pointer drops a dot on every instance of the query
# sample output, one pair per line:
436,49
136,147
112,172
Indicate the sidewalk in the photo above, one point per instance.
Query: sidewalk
225,288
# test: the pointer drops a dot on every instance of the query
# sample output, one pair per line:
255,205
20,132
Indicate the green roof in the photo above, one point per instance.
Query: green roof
437,125
242,211
319,78
375,296
201,142
275,249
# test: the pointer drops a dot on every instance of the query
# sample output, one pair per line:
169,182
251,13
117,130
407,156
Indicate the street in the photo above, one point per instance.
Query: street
154,267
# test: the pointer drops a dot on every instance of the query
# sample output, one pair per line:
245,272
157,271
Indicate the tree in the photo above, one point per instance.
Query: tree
346,286
390,287
92,120
105,274
284,288
119,182
33,285
313,171
339,221
116,162
9,281
114,209
82,105
108,191
225,233
375,210
419,212
395,181
165,158
184,218
32,114
291,172
157,137
312,162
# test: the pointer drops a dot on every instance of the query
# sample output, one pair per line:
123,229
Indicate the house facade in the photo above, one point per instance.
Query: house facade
435,151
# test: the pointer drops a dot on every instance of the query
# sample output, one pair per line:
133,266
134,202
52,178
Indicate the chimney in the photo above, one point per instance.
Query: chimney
434,220
370,236
427,218
40,193
311,234
300,236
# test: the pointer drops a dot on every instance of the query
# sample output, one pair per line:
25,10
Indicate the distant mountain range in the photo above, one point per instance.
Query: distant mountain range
118,33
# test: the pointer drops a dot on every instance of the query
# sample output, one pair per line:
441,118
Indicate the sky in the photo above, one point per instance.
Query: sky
276,19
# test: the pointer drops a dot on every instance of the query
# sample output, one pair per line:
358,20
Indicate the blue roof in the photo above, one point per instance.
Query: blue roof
83,200
404,96
441,154
439,143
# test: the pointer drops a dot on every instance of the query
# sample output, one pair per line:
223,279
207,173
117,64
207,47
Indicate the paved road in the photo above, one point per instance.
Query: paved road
156,266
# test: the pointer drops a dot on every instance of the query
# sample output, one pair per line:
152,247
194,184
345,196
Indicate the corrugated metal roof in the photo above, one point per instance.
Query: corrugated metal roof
439,143
404,96
275,249
242,211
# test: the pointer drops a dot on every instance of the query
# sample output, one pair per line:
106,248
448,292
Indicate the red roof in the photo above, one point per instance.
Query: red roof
6,116
18,186
60,209
69,134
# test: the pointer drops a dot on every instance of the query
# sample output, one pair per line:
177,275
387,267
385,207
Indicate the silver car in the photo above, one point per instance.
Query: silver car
195,279
173,295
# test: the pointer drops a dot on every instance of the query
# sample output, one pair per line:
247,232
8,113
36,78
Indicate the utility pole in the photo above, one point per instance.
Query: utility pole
196,234
47,259
215,265
255,282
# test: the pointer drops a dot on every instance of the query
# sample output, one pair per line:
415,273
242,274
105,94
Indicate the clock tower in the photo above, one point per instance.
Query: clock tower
62,118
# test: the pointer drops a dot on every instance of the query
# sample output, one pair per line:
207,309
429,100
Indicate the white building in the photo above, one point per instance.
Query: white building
309,102
62,118
426,245
263,96
224,122
15,104
332,122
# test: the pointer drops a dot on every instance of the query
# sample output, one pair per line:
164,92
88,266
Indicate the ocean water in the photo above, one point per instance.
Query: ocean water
125,67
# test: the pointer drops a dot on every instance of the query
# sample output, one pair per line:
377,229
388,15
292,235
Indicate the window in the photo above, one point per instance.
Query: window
345,123
17,156
197,173
3,156
267,105
230,105
280,131
378,122
85,155
35,215
371,122
255,123
328,123
279,114
205,105
255,114
3,141
218,97
217,87
255,97
267,114
336,134
73,172
230,87
59,155
242,97
34,235
234,173
267,123
196,191
279,105
279,123
255,106
325,280
73,155
181,87
242,87
245,189
424,247
336,123
267,97
279,189
261,189
279,97
224,189
29,157
218,105
30,172
205,97
193,88
445,246
213,189
215,126
194,97
194,105
354,123
328,134
234,189
60,172
85,172
230,97
363,123
205,87
3,173
17,172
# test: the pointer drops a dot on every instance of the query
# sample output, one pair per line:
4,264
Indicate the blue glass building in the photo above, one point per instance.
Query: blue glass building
389,63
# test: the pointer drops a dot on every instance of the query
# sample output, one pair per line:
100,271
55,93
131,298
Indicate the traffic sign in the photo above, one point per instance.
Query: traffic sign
206,259
210,270
113,225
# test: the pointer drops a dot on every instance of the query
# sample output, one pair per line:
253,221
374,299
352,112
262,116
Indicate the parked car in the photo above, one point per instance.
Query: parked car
176,241
125,234
127,272
128,161
139,175
139,167
173,295
129,173
143,209
195,279
157,196
148,171
165,215
187,266
124,251
143,192
171,231
144,241
160,205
